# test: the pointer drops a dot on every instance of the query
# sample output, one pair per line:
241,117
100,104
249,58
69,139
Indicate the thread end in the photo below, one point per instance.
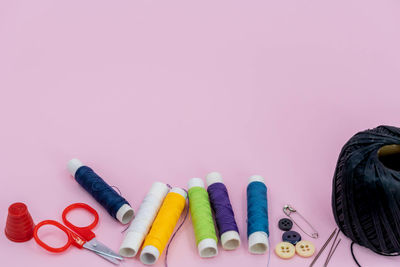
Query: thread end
230,240
207,248
256,178
125,214
213,177
127,252
73,165
195,182
131,244
179,191
258,243
149,255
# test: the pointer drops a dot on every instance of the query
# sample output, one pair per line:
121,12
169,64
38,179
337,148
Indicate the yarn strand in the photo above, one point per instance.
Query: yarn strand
352,254
366,190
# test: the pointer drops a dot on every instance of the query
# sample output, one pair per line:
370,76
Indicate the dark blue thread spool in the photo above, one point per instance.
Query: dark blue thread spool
115,204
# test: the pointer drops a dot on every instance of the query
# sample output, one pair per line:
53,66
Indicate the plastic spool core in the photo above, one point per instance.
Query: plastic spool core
230,240
127,252
214,177
195,182
73,166
125,214
149,255
207,248
131,244
259,248
389,156
256,178
231,244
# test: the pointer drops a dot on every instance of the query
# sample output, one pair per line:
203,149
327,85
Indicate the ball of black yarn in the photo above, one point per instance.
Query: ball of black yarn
366,190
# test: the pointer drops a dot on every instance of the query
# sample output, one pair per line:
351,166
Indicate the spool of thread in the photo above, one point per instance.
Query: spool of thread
203,224
257,215
163,226
115,204
141,224
224,216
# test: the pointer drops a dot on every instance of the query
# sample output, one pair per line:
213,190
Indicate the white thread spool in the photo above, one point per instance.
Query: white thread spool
124,214
150,254
230,240
258,241
207,247
140,226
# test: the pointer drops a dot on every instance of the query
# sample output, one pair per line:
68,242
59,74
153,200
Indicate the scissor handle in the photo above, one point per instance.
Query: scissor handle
72,237
85,231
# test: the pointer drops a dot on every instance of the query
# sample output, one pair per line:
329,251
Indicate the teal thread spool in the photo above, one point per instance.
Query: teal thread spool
257,215
202,219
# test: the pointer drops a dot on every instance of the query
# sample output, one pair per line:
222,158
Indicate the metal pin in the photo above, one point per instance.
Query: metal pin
323,248
288,210
332,249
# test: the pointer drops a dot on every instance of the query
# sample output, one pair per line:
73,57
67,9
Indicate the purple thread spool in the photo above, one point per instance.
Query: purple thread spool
224,215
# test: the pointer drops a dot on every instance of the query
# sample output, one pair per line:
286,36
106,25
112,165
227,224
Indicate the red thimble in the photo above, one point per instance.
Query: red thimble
19,226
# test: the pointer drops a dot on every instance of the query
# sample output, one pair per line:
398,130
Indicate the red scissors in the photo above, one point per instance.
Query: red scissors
81,237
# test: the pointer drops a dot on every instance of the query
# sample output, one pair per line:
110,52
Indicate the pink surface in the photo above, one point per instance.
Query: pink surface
168,90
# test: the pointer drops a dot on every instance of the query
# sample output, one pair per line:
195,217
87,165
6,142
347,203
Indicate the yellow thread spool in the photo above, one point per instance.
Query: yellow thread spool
163,226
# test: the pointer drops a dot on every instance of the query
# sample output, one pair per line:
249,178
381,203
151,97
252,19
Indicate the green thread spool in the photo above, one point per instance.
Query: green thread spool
202,219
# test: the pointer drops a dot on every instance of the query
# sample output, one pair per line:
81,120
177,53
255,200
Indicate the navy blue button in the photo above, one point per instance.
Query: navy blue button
285,224
291,237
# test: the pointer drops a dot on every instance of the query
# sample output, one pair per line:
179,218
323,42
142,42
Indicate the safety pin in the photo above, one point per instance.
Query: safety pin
288,210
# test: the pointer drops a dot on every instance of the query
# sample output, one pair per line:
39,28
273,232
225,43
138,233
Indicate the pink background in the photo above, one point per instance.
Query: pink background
168,90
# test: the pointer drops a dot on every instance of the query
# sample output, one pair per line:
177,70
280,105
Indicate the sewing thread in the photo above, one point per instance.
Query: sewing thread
163,226
203,224
115,204
143,220
365,190
257,215
224,215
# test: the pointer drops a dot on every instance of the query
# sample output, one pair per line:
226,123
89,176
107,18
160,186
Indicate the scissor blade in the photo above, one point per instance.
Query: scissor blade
110,259
102,249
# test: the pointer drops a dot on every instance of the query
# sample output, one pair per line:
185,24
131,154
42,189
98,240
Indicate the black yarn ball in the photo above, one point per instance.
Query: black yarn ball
366,190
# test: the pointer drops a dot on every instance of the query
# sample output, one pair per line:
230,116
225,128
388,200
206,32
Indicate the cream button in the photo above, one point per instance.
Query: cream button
305,248
285,250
